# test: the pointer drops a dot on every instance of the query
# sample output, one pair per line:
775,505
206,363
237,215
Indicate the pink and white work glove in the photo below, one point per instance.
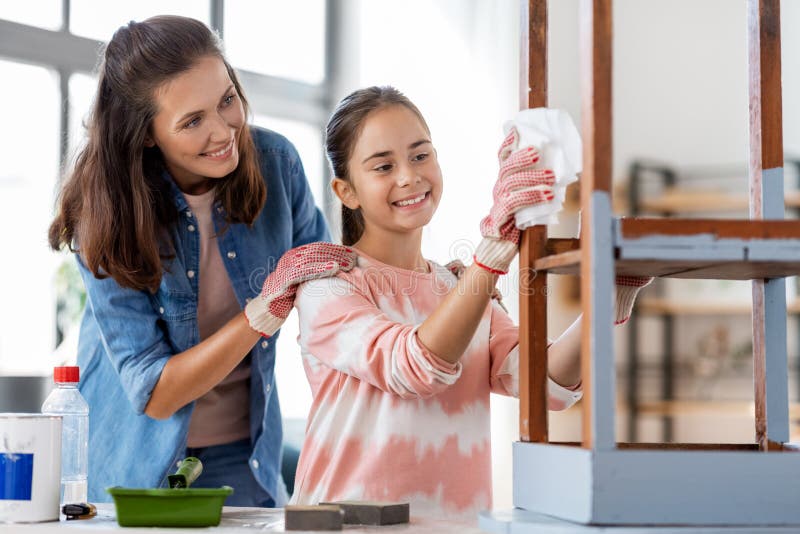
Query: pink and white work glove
519,185
267,312
457,267
627,289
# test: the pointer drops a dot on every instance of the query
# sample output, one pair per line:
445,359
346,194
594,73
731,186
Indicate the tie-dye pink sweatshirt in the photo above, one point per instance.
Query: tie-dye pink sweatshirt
391,421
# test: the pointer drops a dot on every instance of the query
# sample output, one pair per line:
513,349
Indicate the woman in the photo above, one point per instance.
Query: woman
177,212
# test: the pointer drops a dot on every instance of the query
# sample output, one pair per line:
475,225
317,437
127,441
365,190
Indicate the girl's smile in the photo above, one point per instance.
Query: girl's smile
413,202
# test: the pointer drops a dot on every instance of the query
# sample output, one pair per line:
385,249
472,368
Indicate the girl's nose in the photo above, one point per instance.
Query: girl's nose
408,176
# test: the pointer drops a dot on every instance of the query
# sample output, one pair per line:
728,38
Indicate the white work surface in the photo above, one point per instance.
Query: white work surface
518,521
242,520
234,520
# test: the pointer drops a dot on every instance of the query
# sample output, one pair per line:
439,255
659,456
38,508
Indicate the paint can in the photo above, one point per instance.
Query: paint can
30,467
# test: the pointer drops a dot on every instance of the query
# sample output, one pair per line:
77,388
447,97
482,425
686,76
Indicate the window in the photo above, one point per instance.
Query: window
27,180
307,139
290,42
99,20
48,103
44,13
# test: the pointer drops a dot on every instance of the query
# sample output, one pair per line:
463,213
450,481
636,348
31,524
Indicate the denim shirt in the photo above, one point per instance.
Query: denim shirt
127,336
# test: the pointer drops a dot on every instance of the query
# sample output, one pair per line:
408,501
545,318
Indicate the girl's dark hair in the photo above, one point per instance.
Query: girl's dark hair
341,135
116,208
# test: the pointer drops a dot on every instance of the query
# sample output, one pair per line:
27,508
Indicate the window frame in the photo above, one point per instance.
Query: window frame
68,54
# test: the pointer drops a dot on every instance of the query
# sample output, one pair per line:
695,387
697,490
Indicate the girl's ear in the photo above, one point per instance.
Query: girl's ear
344,190
148,142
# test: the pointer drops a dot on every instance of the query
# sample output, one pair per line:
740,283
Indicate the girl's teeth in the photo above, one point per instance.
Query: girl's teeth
412,201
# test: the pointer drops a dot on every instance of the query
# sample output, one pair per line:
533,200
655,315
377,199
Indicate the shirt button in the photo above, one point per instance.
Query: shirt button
268,388
247,300
189,214
190,274
264,345
161,310
254,463
232,254
219,209
191,228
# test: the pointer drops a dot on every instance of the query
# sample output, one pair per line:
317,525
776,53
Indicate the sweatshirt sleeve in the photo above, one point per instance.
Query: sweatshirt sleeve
504,354
343,329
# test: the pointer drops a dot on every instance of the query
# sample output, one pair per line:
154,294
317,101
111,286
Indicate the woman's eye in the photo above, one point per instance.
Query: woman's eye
228,100
386,167
420,157
192,123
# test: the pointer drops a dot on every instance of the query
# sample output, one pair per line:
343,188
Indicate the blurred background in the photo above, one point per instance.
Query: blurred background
680,147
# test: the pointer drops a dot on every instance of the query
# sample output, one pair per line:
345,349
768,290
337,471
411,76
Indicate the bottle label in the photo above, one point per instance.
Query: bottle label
16,476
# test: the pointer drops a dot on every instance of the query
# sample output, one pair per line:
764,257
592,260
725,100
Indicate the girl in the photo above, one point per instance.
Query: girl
400,354
177,210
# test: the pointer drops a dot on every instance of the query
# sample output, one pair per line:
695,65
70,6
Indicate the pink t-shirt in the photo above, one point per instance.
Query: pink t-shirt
223,414
391,421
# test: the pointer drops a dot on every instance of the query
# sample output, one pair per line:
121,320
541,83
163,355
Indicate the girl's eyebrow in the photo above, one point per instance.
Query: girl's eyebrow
187,115
385,153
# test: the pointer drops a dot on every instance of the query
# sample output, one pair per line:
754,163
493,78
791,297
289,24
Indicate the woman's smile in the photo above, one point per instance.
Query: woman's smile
221,154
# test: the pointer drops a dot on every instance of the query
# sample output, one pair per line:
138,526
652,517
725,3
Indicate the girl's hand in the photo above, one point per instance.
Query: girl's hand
458,268
627,288
519,185
267,312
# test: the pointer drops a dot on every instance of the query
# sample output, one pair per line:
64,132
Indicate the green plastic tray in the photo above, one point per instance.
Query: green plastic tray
164,507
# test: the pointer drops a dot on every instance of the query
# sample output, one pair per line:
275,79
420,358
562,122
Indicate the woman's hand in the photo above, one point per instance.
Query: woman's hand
267,312
519,185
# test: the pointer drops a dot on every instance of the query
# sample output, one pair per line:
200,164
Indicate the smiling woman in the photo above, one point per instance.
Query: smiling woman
177,211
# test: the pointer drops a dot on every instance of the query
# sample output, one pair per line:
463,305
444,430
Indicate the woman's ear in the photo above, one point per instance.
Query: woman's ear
344,190
148,142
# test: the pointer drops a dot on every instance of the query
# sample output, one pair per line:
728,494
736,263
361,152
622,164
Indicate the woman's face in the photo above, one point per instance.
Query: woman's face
197,125
395,176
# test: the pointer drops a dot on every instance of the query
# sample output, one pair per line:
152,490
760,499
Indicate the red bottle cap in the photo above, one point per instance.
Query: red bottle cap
66,375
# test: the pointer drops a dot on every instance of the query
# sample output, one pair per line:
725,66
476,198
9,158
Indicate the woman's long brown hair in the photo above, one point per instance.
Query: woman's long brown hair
116,209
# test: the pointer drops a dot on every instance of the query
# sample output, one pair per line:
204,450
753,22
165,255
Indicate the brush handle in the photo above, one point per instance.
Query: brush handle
188,471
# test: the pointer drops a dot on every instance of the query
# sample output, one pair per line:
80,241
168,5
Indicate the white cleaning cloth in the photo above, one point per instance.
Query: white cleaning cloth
554,134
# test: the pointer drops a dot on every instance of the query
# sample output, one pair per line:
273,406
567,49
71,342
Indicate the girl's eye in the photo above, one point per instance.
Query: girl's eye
386,167
192,123
420,157
229,100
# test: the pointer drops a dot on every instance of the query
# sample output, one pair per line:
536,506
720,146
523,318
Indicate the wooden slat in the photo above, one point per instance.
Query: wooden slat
596,51
557,245
678,200
533,295
675,446
569,263
657,306
766,189
638,227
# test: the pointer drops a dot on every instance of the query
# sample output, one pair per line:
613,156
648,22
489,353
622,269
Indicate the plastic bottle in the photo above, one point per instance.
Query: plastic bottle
65,400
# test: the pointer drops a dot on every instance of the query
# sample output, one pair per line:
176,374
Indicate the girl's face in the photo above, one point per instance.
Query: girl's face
394,175
197,125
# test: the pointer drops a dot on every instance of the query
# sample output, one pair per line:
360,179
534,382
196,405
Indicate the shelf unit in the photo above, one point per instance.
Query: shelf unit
675,195
599,481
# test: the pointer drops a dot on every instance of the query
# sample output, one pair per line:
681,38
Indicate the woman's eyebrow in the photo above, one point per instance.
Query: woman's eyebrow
187,115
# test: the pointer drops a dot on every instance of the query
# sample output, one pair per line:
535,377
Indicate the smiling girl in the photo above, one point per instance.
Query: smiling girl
178,211
401,355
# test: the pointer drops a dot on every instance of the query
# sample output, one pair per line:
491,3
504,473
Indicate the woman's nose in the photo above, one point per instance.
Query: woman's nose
220,129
